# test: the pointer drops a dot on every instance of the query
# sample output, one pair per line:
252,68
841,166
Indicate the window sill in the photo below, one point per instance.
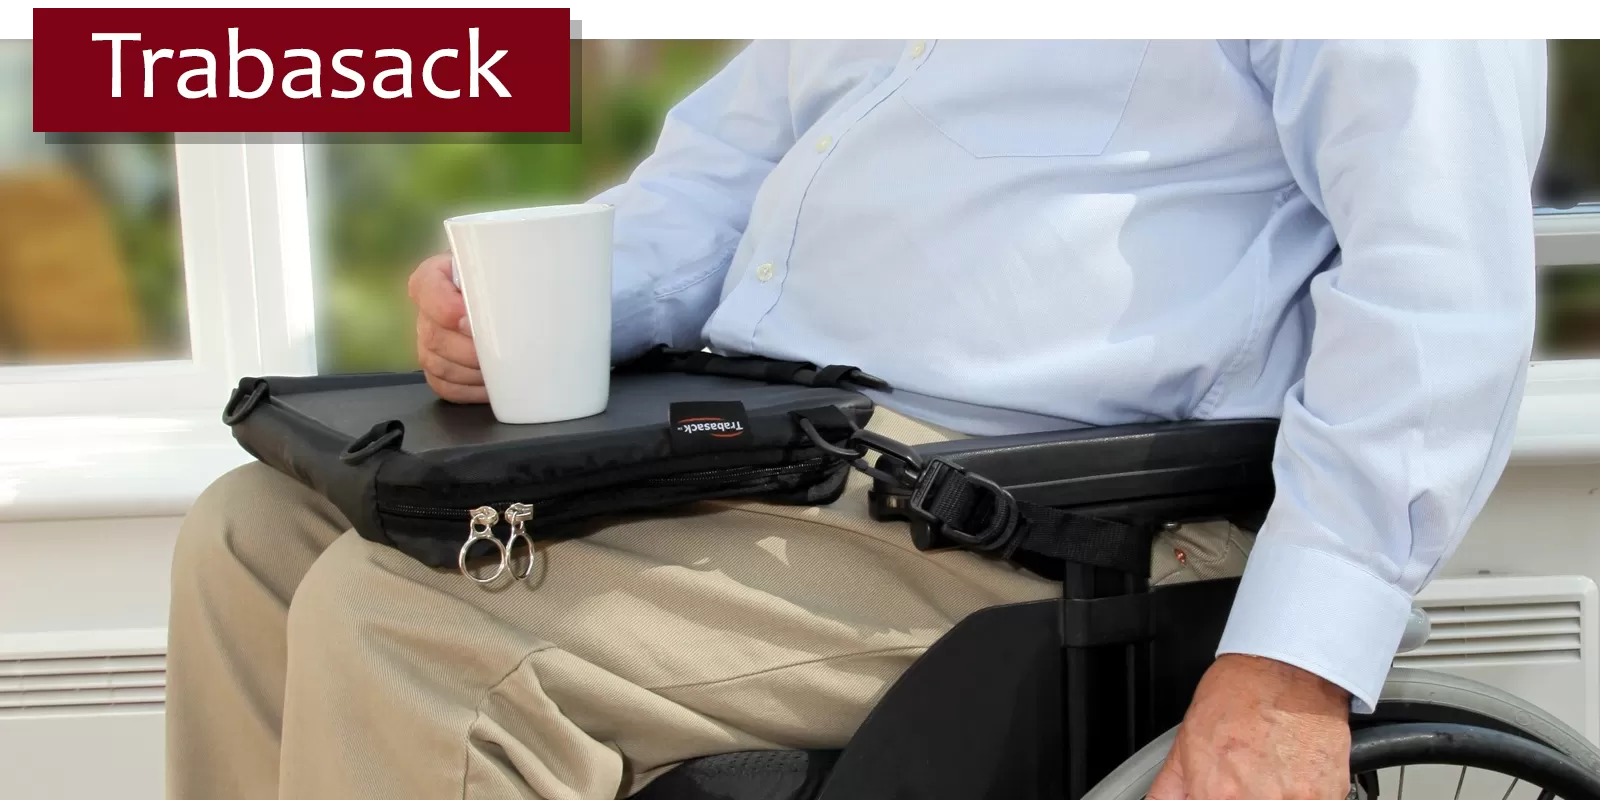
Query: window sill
89,467
1560,418
144,465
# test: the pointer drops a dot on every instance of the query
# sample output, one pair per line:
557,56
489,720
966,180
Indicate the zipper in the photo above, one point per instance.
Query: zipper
423,512
482,519
735,473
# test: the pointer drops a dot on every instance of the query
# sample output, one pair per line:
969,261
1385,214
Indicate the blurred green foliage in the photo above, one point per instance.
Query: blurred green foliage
148,231
132,181
1572,142
380,204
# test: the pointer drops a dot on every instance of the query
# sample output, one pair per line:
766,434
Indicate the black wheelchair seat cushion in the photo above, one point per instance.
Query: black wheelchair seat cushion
754,775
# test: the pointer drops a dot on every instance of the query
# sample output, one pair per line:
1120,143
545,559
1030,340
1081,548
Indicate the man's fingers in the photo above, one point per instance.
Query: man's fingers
449,344
1168,784
436,264
457,393
437,298
447,356
449,371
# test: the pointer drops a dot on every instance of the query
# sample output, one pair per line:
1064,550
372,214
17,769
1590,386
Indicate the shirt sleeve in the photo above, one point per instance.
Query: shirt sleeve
680,215
1420,155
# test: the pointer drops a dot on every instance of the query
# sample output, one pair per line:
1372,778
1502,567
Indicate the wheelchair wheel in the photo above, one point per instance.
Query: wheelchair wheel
1442,723
1417,695
1431,760
1440,758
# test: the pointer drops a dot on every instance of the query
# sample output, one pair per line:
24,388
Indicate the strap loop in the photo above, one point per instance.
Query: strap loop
241,404
380,436
801,373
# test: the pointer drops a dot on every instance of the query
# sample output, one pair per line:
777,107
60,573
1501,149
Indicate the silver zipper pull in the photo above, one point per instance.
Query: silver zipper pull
517,515
482,529
483,518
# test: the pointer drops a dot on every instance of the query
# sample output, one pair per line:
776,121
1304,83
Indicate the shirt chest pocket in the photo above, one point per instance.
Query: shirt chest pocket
1005,98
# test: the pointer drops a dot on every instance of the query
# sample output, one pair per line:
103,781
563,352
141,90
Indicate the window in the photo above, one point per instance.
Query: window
1569,317
1567,194
1569,173
86,224
139,274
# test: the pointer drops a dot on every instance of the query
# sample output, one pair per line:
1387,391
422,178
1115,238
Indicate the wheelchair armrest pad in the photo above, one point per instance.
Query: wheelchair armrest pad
1122,464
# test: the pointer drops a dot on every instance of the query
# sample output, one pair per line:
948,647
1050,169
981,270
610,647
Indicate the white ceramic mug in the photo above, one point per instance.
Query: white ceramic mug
537,282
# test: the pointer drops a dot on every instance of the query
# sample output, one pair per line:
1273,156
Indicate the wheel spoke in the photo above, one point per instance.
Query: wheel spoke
1509,788
1401,792
1459,781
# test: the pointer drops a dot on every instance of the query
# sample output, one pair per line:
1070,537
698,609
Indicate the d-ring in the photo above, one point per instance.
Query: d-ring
500,569
482,529
518,514
511,546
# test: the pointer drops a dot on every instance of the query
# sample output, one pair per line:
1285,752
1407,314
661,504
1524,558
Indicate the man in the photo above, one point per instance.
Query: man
1017,236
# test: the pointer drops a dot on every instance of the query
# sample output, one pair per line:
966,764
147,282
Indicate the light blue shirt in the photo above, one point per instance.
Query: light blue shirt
1034,235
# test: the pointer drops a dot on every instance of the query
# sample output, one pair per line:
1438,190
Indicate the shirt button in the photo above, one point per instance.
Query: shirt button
824,143
917,49
765,272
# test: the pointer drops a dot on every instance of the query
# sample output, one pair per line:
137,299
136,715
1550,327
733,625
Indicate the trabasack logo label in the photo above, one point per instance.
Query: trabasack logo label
720,428
708,426
310,70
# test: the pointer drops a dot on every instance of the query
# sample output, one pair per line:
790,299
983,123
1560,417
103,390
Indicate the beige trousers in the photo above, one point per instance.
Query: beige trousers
306,662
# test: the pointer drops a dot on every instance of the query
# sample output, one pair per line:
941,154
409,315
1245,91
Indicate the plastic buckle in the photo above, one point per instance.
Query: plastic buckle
859,444
889,447
1003,519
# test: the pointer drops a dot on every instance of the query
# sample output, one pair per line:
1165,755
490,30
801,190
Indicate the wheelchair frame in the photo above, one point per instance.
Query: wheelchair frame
1131,656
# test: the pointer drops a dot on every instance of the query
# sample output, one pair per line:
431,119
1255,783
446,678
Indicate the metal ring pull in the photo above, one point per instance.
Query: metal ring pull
518,514
483,520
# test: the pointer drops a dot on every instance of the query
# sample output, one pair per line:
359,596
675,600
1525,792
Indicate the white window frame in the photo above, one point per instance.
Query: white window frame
1559,422
145,438
247,281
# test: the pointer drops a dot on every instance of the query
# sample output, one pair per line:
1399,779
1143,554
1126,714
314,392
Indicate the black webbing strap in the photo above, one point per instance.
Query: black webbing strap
978,514
664,359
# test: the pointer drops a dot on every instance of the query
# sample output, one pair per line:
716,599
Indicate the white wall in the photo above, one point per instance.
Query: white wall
1541,520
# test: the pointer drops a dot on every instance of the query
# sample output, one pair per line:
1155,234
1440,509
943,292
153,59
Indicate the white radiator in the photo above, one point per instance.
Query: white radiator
81,715
1534,637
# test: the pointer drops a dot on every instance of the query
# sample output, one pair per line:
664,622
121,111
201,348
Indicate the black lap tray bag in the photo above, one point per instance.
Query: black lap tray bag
409,470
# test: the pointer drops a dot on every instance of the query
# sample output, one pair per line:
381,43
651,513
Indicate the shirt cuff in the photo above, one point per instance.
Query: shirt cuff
1318,612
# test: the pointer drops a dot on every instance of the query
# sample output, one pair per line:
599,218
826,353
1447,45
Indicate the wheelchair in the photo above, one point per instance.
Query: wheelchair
1079,698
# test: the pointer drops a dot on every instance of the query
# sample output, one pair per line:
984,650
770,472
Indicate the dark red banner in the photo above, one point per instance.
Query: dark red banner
309,70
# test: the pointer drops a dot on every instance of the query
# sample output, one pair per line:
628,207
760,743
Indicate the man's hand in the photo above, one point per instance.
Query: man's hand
1259,728
444,342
